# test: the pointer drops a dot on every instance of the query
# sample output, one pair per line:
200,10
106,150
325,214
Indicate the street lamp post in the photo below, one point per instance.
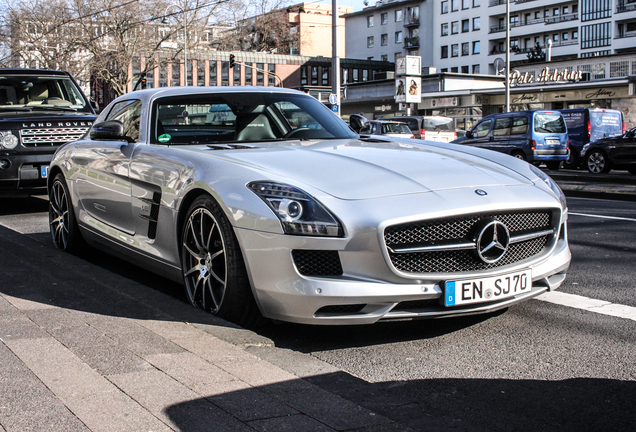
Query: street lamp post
185,37
507,76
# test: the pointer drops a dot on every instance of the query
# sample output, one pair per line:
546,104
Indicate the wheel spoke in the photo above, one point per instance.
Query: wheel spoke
213,295
191,252
207,244
194,235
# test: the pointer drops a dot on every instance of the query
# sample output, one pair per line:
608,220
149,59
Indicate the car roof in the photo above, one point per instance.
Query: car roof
24,71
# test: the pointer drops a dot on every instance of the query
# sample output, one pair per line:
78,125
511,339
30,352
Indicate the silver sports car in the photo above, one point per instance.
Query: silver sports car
263,203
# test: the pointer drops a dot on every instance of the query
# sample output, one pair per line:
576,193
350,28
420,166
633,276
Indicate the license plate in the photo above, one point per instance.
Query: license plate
552,142
495,288
44,171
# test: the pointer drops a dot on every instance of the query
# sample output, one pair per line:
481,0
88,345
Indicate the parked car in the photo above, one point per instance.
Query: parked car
393,129
617,152
39,111
590,124
430,128
533,136
256,214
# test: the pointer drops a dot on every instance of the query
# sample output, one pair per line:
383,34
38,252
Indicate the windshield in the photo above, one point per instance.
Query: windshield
605,124
244,117
34,91
549,123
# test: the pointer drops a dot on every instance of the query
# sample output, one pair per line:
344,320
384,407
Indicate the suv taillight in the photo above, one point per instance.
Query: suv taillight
533,145
422,134
455,133
589,129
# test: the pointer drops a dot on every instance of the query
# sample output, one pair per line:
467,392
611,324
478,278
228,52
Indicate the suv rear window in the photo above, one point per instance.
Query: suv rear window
439,124
549,123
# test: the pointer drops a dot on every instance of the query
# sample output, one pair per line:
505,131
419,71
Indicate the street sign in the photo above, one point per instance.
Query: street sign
333,99
334,108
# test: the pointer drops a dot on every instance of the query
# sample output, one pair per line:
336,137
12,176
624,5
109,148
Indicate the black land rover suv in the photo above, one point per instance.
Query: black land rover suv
39,111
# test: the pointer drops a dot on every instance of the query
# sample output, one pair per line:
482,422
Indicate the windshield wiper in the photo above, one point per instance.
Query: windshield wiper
53,108
15,108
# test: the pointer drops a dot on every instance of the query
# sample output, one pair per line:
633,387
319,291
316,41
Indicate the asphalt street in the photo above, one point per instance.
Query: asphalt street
537,366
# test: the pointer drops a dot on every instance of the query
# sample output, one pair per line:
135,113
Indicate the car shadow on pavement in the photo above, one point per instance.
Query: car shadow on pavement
582,404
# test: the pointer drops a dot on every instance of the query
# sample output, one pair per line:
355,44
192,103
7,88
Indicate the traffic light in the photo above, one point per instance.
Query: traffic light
231,60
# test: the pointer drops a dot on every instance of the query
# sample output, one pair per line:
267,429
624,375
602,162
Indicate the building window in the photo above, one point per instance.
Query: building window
398,37
384,39
271,80
537,15
476,69
225,73
384,57
465,69
314,75
476,23
445,29
370,42
476,3
465,4
455,27
384,18
476,47
236,75
303,75
565,36
370,21
575,8
454,69
398,15
465,25
555,12
260,76
575,34
454,50
454,5
445,6
444,70
596,35
465,48
248,74
445,51
514,20
555,37
355,75
397,55
325,75
365,75
546,13
566,10
595,9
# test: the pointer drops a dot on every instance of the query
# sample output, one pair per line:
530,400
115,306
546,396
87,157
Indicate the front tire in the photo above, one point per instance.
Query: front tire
213,269
65,232
597,163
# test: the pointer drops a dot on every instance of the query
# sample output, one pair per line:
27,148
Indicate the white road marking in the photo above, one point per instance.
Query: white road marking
603,217
592,305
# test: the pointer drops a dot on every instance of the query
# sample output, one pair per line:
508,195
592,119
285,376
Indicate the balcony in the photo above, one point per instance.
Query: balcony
496,3
626,34
413,42
497,29
562,18
623,7
411,20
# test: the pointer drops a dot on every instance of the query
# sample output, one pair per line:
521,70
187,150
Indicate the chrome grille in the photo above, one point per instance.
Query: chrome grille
51,136
462,229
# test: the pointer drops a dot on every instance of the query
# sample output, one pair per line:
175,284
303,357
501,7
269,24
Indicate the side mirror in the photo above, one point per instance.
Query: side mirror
358,122
109,130
469,134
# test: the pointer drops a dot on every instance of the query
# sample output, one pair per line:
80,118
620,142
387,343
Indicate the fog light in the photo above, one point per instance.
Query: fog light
4,164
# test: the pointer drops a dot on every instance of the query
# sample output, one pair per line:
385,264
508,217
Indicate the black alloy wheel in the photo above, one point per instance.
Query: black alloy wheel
65,232
213,269
596,162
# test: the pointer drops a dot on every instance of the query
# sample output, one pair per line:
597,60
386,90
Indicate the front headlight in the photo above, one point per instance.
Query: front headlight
299,213
551,184
8,140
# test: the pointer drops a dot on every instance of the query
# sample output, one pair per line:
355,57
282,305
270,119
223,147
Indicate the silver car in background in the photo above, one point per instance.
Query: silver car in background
228,191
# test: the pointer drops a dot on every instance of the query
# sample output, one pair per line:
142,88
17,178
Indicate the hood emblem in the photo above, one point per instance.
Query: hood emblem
492,241
481,192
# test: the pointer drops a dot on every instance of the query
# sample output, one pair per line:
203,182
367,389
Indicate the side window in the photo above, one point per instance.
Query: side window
482,129
502,126
519,125
128,112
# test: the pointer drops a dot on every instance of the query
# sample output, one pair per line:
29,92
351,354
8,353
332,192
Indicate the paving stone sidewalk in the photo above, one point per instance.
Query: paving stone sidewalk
83,349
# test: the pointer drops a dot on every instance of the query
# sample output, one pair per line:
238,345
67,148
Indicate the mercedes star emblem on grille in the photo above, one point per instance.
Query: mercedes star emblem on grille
492,241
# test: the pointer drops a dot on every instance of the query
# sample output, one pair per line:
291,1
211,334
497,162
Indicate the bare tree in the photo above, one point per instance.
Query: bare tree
101,38
260,26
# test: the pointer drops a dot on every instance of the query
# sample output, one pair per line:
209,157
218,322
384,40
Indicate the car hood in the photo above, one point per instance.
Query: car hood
355,169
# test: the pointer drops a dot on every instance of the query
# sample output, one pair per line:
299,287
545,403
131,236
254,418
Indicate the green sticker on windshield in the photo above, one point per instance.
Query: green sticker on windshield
164,138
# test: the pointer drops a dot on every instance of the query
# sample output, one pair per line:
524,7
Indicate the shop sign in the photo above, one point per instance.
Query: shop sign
444,102
383,108
546,76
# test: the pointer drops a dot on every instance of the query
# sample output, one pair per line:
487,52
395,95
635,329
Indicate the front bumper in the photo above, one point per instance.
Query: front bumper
21,174
284,294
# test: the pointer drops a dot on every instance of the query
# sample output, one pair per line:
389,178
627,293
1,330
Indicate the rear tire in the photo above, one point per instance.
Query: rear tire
520,155
65,232
573,161
213,269
597,163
